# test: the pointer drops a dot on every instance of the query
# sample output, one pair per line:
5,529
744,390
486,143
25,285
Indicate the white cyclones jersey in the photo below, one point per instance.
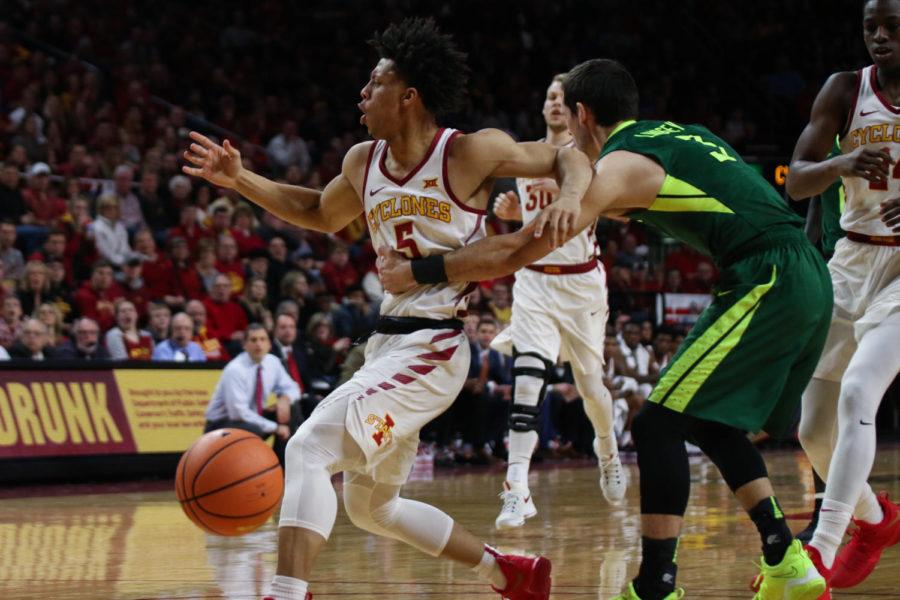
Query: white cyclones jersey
419,216
874,123
580,249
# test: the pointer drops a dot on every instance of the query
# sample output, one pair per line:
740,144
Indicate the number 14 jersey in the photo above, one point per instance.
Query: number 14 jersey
419,215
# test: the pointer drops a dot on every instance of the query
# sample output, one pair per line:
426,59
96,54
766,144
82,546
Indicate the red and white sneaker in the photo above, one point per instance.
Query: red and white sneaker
527,577
816,559
859,557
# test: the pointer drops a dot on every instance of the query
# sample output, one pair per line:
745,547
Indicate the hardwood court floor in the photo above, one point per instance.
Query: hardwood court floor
137,544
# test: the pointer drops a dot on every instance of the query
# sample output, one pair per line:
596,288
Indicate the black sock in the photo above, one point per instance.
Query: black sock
773,530
656,577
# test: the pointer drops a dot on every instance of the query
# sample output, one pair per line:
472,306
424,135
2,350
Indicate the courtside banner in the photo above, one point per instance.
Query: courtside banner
115,411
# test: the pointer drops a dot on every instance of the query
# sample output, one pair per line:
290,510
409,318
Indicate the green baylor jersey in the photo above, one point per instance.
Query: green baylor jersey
832,208
711,199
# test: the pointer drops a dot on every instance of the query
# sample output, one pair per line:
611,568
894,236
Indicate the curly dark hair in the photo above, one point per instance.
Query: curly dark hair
427,60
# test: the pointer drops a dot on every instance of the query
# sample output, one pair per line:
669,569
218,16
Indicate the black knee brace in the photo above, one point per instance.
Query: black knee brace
665,473
522,417
737,459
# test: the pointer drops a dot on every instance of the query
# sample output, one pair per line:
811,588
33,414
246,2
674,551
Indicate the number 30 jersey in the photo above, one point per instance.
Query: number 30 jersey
418,216
580,249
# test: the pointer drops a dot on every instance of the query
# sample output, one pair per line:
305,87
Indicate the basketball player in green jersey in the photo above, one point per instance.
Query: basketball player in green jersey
750,355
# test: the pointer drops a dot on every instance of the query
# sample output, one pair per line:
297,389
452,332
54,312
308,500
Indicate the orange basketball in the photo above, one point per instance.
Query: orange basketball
229,482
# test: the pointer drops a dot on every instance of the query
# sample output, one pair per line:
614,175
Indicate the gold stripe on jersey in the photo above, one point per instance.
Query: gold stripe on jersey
407,206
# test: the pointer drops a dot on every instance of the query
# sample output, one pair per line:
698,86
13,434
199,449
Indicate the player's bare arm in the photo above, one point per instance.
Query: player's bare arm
491,153
624,181
329,210
811,173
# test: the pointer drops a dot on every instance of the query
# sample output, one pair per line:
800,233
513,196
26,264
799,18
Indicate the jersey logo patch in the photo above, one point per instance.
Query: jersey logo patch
863,113
430,183
373,192
383,434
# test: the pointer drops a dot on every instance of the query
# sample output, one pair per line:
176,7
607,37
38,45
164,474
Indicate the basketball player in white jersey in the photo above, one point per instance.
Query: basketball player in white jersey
559,310
416,185
862,354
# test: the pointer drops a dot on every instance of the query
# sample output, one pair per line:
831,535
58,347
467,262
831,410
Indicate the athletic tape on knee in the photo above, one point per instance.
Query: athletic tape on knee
530,372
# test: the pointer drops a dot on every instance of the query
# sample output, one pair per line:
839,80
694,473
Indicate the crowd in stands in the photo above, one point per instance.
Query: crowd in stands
107,251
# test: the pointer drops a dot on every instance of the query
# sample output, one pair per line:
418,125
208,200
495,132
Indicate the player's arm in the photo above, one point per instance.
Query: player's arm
491,153
329,210
811,173
624,181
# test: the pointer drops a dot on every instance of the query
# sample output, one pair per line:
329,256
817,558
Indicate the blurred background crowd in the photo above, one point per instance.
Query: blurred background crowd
108,252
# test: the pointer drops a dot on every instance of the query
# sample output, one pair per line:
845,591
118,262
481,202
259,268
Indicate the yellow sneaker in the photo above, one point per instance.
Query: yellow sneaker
794,578
630,594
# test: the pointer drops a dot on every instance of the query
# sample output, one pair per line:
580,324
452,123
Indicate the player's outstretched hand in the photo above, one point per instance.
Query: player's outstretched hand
507,207
890,214
219,165
873,165
394,271
559,219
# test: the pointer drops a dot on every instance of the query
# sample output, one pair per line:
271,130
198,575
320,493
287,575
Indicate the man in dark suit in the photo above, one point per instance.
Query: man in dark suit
87,344
33,343
292,353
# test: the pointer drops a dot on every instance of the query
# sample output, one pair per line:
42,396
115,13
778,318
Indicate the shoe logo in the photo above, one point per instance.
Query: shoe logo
373,192
595,312
527,498
861,422
772,539
863,113
725,293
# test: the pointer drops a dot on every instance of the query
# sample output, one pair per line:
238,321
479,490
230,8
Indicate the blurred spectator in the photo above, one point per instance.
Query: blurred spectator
638,359
326,351
288,307
12,203
219,218
10,321
278,263
703,279
110,234
180,347
87,345
154,207
295,287
337,272
630,255
180,190
646,333
243,230
34,342
184,281
674,282
52,318
96,297
500,304
291,351
355,317
188,228
258,265
131,215
287,148
59,289
159,320
45,205
54,247
34,288
125,341
157,268
225,317
229,263
211,346
685,259
10,256
663,348
206,264
239,399
134,287
255,303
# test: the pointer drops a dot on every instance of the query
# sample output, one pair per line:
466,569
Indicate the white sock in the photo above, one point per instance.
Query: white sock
489,570
288,588
867,509
833,521
521,447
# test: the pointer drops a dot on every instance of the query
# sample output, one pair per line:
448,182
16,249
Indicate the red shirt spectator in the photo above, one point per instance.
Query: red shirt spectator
338,273
188,228
225,319
46,207
184,281
243,233
227,262
686,260
212,347
157,268
96,298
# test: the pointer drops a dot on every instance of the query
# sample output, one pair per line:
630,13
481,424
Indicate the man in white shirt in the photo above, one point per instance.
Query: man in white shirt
110,234
239,398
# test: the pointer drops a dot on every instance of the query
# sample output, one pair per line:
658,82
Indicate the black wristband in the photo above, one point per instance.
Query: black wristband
429,269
